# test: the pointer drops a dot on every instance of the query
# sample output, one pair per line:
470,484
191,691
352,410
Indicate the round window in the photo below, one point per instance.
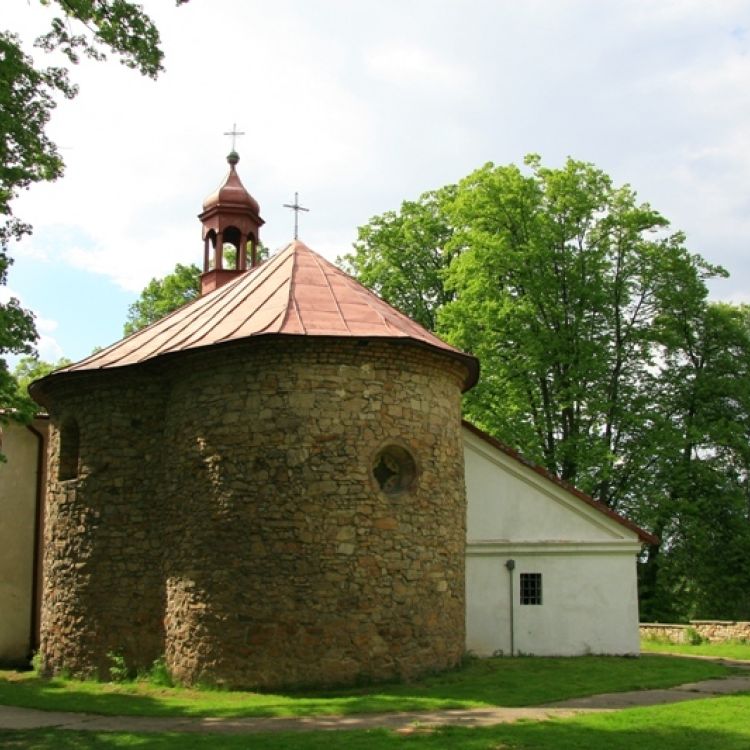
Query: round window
394,469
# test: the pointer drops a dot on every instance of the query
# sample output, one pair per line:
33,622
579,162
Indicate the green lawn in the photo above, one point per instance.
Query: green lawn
725,650
482,682
712,724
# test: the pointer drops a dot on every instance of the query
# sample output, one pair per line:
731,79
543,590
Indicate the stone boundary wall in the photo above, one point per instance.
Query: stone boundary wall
710,630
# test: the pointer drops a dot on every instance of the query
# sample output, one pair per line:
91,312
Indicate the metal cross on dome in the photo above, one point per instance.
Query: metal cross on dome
234,133
296,208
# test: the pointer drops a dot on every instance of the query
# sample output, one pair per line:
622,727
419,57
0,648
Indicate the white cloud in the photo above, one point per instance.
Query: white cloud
6,293
47,346
418,68
131,264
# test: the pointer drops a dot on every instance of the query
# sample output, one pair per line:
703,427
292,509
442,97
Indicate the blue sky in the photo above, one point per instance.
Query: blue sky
361,105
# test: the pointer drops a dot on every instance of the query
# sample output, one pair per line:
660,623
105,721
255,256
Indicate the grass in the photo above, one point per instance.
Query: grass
711,724
723,650
482,682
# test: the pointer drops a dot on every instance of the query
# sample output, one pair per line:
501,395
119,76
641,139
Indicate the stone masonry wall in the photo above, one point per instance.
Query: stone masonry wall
226,514
103,586
287,564
710,630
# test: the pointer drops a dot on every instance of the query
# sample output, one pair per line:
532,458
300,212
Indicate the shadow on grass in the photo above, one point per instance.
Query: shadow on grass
557,735
482,682
529,681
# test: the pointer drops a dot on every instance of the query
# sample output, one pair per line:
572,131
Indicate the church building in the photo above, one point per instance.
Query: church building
268,487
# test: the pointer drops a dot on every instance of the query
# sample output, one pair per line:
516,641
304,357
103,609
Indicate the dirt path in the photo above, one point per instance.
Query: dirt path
27,718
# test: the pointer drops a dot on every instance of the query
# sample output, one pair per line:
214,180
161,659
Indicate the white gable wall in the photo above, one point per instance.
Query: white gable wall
587,561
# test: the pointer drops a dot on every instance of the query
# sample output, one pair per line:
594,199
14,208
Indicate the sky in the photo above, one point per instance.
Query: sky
360,105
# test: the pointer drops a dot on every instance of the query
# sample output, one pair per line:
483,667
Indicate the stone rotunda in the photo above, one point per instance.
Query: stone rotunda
265,487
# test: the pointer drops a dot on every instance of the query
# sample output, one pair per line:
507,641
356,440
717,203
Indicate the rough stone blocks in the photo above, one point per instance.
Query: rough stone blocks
227,513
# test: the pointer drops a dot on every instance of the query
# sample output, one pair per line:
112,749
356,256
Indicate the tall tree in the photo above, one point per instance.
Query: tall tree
558,296
28,96
697,491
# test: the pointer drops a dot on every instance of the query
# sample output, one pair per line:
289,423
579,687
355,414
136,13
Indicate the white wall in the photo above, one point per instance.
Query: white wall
589,604
586,558
18,487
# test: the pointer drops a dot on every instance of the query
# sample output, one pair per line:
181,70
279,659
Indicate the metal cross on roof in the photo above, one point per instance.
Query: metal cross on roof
296,208
234,133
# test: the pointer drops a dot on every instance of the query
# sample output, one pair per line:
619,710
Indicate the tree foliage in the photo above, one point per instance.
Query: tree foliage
28,96
29,369
160,296
697,484
411,281
601,356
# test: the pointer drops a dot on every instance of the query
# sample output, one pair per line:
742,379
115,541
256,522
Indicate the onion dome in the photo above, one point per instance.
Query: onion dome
231,193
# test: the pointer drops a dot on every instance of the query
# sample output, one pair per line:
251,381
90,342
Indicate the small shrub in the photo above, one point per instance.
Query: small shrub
159,674
36,663
693,637
118,669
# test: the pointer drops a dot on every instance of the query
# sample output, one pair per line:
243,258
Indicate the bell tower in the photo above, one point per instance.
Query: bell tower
230,216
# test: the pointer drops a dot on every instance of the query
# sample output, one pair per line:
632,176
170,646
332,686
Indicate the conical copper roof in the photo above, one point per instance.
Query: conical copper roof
231,193
295,293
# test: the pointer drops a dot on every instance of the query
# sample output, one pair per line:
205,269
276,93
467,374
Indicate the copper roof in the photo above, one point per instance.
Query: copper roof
231,192
295,293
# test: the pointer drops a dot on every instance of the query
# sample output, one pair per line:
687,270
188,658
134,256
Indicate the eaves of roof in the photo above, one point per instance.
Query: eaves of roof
295,293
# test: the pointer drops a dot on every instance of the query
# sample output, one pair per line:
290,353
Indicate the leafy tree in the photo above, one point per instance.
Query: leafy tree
558,297
402,256
161,296
699,499
27,98
26,371
17,335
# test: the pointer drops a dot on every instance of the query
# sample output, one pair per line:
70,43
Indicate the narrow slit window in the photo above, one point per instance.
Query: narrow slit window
531,588
69,450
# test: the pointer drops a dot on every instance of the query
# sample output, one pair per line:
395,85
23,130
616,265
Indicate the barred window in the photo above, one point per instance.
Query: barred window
531,588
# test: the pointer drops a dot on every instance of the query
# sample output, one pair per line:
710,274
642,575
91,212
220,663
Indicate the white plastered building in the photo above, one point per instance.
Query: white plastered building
549,571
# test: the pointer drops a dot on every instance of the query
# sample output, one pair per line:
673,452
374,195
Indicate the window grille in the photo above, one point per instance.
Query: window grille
531,588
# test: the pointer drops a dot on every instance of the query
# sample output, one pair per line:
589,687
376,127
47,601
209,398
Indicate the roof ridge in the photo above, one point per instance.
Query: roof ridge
214,300
238,288
317,259
292,287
